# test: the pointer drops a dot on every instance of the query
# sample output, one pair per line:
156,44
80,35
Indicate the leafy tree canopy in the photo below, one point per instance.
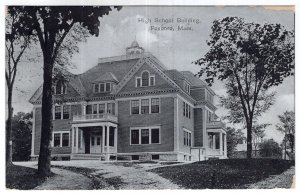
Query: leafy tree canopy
250,58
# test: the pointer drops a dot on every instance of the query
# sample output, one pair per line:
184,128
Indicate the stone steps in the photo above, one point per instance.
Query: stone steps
87,157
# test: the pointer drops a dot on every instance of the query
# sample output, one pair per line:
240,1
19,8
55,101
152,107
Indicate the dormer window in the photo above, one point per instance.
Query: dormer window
60,88
187,87
145,80
102,87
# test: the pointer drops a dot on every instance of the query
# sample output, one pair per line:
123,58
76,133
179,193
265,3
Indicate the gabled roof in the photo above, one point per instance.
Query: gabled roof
194,81
118,69
108,76
174,74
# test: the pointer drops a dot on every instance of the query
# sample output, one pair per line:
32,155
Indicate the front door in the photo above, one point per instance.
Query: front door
95,144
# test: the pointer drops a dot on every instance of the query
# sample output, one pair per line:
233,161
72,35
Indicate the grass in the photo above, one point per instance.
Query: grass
22,178
223,174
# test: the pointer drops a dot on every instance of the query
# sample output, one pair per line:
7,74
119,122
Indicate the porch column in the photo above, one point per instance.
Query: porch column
103,139
76,148
115,138
73,139
107,138
107,142
221,143
214,141
225,145
84,108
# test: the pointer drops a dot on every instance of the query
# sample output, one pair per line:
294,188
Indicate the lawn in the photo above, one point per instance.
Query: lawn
22,178
223,174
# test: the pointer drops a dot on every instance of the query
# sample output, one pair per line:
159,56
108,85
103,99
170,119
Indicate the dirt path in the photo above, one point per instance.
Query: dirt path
284,180
66,180
117,175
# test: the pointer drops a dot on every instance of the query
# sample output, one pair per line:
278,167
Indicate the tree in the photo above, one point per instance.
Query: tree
234,137
21,136
51,24
17,40
287,126
270,148
250,58
258,133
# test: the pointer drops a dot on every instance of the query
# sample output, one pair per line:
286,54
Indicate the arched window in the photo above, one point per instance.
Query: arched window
145,78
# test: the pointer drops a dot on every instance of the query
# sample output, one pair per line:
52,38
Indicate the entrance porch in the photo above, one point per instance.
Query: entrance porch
94,140
217,144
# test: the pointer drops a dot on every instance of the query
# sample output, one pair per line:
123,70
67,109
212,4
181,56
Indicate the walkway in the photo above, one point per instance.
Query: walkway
126,175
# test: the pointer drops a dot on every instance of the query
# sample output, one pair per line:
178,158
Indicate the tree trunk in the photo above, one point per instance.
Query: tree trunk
8,127
249,139
285,146
44,164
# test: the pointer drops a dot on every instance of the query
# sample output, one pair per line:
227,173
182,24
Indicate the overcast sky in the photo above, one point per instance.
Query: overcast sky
175,49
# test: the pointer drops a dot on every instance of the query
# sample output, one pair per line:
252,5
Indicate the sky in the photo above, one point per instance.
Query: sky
175,49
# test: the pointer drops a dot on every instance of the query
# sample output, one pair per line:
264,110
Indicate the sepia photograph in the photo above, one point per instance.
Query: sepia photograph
149,97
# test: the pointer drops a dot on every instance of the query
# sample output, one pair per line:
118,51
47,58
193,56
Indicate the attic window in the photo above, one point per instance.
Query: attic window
187,87
102,87
60,88
145,80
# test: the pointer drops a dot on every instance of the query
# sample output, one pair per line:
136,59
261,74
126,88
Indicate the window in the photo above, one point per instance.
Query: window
108,88
66,111
89,109
94,108
145,78
155,105
60,88
149,135
96,88
111,108
145,136
57,112
155,135
186,110
145,106
65,139
61,139
135,157
102,86
187,138
138,82
56,140
135,107
155,157
101,108
209,117
152,81
187,87
135,136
